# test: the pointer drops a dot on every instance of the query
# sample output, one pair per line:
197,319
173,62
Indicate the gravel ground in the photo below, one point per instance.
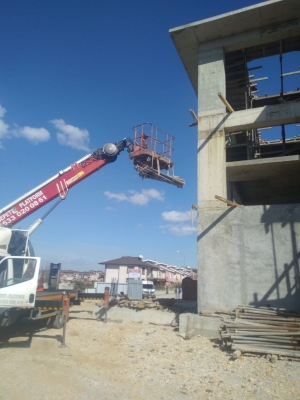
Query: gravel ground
135,361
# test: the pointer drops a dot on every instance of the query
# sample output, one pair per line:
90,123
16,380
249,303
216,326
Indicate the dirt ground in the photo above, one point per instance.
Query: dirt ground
134,361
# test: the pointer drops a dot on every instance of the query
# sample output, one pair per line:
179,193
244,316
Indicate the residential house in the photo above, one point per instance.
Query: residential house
117,270
173,274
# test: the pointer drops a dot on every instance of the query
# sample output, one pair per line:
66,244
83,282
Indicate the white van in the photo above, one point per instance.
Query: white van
148,289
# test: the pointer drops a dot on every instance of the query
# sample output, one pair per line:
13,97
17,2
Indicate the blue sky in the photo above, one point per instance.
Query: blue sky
75,75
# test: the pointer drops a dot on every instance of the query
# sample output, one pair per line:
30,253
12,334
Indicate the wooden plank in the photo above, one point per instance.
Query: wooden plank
229,202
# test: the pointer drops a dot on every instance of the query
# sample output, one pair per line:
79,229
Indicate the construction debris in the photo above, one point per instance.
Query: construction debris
262,330
146,171
161,304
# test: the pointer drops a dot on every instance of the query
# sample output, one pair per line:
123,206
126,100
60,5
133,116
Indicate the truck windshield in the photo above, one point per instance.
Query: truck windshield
148,286
17,245
16,270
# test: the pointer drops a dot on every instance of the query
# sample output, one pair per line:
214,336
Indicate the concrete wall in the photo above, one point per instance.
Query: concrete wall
249,255
114,288
123,274
111,273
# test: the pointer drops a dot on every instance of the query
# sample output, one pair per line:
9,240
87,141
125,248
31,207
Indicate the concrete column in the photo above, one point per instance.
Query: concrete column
211,135
211,169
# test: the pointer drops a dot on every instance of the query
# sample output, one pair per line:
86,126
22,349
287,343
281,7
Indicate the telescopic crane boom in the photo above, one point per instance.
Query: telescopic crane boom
59,184
150,151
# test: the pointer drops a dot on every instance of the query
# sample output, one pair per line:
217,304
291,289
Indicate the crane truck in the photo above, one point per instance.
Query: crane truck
19,267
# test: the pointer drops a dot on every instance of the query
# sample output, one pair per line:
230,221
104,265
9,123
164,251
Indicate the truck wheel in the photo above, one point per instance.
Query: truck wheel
58,322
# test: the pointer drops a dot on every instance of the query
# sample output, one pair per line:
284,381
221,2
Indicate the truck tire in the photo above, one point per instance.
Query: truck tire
58,322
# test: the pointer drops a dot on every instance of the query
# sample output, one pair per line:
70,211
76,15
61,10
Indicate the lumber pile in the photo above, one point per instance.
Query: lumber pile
146,303
146,171
263,330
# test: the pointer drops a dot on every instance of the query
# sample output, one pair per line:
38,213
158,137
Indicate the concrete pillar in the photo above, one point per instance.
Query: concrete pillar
211,166
211,135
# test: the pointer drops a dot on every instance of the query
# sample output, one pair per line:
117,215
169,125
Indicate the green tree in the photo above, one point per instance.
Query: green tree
79,285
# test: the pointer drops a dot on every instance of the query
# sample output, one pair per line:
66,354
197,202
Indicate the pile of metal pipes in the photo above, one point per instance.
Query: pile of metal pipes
262,330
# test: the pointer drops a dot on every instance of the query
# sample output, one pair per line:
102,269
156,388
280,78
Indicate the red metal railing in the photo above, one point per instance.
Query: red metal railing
149,136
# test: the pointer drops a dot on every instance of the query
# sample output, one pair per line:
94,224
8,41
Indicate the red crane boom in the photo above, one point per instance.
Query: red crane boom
58,185
149,152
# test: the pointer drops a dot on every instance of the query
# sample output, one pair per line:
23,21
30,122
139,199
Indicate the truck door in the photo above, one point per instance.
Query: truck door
18,281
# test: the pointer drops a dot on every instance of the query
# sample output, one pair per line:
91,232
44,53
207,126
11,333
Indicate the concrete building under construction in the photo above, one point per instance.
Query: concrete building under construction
247,254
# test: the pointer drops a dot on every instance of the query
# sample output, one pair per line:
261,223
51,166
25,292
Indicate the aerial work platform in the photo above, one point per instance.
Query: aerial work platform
152,154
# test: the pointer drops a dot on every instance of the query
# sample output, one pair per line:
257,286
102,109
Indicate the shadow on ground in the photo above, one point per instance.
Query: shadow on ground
25,330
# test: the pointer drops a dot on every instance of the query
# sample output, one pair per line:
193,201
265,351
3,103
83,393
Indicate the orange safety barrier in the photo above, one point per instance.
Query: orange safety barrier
66,307
106,297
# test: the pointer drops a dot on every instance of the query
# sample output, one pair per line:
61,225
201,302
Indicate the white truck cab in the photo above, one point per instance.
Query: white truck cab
18,276
148,289
18,281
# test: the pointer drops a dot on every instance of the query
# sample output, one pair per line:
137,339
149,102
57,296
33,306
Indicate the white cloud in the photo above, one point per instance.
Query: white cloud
178,230
139,226
176,216
137,198
70,135
35,135
154,194
3,129
2,111
117,196
142,198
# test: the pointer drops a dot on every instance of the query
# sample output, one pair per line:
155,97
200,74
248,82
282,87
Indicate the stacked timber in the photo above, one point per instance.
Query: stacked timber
263,330
146,303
